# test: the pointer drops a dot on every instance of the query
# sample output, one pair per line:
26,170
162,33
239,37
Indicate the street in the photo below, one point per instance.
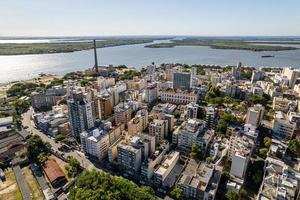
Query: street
84,162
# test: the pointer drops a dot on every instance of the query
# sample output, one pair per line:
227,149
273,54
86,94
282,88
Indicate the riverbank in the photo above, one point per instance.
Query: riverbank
66,47
221,44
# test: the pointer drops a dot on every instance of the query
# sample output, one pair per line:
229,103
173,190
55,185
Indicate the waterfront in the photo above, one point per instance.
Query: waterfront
23,67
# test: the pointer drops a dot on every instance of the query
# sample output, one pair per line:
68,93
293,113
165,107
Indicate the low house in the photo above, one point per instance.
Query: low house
54,173
2,175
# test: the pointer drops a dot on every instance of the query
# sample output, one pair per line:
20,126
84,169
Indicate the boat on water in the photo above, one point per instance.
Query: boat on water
267,56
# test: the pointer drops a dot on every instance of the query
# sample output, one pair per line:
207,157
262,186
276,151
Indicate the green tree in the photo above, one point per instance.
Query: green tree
176,115
200,71
176,193
59,138
257,177
232,195
263,152
256,171
201,113
255,99
267,141
196,152
36,146
73,166
100,185
42,157
209,159
294,146
224,121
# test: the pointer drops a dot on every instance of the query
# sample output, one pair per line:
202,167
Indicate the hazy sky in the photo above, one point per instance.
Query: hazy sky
149,17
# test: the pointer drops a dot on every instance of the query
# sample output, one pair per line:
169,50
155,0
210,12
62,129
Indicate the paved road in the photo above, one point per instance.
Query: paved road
21,183
42,181
85,163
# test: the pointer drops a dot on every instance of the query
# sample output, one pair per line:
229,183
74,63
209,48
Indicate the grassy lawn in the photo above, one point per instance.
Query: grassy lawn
32,184
9,189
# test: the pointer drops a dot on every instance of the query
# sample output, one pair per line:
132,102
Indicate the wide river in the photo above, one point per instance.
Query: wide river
23,67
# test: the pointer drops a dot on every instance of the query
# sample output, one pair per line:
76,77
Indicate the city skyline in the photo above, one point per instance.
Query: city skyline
102,18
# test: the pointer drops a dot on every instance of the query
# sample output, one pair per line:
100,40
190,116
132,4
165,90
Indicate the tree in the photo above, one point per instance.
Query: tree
255,99
100,185
256,171
176,115
211,94
267,141
294,146
73,166
201,113
263,152
36,146
59,138
209,159
42,157
176,193
224,121
232,195
196,152
200,71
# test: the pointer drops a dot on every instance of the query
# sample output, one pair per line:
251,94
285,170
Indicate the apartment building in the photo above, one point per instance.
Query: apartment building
199,181
189,133
122,113
255,115
159,129
283,129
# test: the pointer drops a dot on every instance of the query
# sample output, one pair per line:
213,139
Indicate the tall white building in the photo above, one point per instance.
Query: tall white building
151,93
240,151
189,133
161,173
283,129
292,75
95,143
255,115
192,110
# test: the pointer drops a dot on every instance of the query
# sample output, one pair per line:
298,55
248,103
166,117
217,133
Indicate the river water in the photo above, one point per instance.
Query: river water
21,67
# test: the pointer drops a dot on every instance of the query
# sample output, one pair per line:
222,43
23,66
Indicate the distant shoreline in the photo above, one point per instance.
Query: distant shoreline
7,49
225,44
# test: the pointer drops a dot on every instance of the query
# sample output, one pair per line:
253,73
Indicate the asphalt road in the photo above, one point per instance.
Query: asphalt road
84,162
21,183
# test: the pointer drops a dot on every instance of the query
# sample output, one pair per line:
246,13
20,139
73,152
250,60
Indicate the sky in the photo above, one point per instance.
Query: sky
149,17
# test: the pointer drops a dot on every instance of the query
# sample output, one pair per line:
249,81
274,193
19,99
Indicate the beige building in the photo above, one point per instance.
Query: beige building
177,96
122,113
159,129
139,123
104,106
280,104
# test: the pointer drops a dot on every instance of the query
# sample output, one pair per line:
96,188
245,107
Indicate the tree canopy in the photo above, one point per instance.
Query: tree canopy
232,195
224,121
196,153
21,89
37,149
294,146
100,185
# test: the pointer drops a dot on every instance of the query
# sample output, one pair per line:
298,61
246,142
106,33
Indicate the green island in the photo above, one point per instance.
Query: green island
65,47
220,44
